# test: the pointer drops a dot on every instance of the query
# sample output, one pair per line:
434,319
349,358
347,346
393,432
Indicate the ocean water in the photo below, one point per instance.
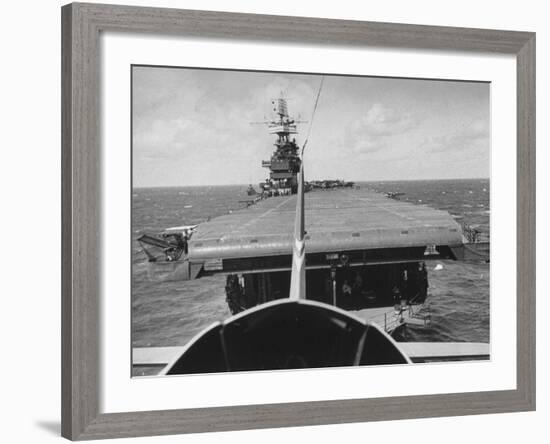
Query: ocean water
171,313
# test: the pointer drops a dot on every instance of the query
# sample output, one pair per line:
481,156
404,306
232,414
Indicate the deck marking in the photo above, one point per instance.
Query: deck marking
385,208
257,218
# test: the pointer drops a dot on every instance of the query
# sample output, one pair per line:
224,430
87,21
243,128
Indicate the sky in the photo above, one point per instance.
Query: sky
199,127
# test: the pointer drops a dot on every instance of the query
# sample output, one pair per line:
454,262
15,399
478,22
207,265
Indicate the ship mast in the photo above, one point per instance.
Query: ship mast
298,273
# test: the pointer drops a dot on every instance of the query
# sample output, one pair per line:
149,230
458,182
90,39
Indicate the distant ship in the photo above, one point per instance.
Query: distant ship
365,258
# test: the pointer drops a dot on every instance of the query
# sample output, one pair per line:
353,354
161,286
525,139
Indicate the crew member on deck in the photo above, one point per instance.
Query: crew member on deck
346,288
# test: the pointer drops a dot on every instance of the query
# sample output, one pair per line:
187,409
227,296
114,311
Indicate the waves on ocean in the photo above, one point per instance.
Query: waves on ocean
171,313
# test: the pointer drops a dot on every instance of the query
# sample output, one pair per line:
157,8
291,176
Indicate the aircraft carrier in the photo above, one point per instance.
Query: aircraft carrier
366,251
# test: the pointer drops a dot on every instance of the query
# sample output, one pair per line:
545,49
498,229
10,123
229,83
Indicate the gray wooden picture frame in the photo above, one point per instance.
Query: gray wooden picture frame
81,172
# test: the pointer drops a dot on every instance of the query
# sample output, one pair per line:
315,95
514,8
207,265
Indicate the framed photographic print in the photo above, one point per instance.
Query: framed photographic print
301,215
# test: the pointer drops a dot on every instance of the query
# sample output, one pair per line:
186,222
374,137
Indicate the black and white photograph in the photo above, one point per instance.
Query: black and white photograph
285,221
275,222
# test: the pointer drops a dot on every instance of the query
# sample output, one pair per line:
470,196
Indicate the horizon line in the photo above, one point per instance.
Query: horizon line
362,181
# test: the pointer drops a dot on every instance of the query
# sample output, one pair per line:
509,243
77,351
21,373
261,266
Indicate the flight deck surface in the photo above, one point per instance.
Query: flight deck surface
336,220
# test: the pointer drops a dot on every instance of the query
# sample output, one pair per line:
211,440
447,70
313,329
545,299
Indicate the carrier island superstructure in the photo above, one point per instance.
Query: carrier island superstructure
285,161
366,252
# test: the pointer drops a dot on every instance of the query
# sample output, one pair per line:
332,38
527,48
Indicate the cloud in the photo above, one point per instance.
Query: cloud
193,126
366,146
374,131
474,135
381,120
